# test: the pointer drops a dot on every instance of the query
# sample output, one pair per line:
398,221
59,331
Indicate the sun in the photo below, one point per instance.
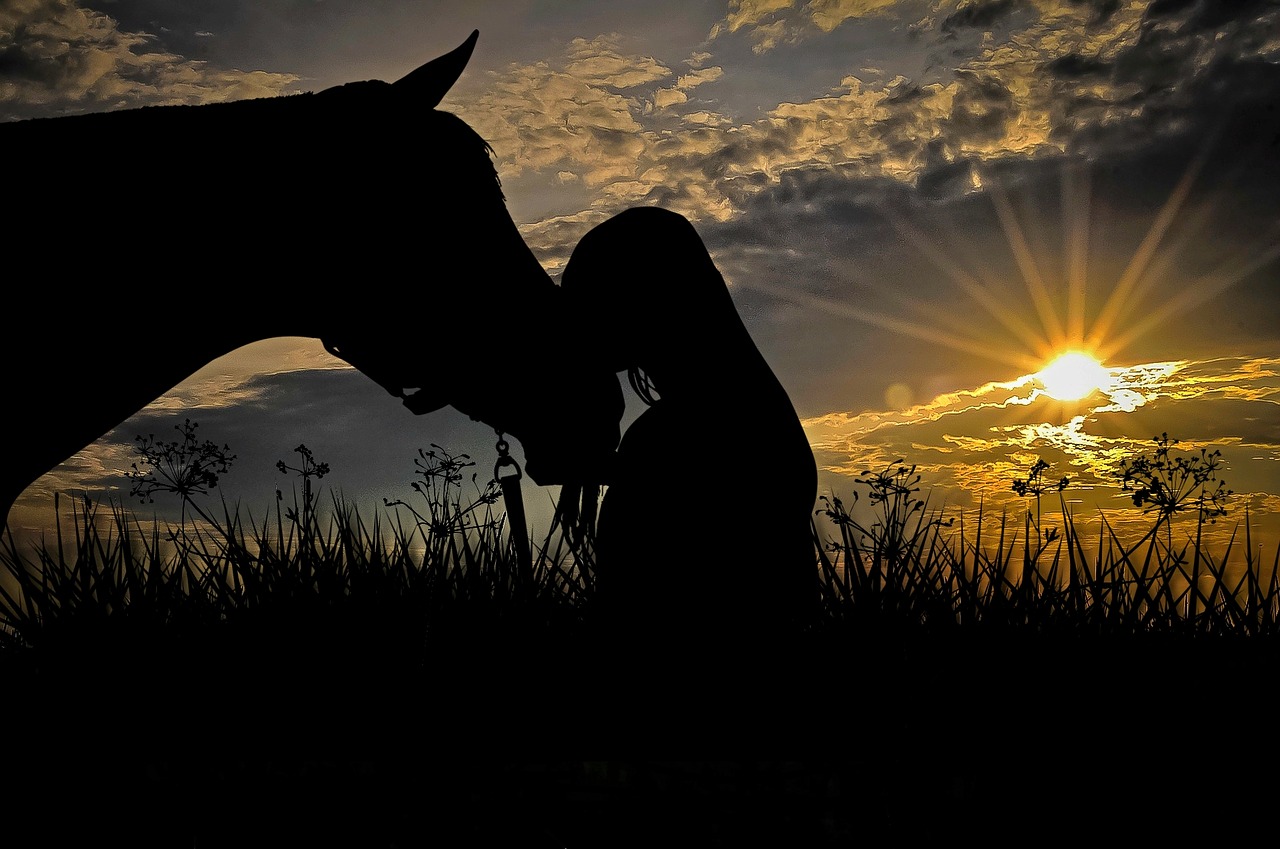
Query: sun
1073,375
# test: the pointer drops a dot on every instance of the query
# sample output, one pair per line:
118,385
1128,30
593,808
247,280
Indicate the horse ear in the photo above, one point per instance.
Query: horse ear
432,81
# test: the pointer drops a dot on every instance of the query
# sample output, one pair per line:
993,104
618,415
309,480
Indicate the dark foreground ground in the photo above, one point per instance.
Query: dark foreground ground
556,741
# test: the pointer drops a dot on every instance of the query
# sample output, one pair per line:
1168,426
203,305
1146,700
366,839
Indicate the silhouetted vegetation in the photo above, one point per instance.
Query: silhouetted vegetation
317,652
444,558
986,571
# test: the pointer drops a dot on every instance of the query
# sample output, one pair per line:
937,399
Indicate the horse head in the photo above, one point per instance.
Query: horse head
516,367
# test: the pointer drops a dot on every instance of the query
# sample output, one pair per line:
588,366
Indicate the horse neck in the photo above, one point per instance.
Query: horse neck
463,273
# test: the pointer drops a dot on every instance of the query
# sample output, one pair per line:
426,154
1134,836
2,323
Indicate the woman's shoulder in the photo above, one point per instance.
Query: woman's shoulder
656,421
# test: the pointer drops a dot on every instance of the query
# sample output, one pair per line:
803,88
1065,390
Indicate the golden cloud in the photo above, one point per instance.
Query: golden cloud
664,97
597,62
768,36
537,117
749,13
61,55
829,14
590,114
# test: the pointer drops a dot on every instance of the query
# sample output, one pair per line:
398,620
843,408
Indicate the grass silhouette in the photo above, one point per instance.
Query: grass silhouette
398,680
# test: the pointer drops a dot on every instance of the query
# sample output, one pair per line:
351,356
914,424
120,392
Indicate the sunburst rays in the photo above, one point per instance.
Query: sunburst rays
1052,316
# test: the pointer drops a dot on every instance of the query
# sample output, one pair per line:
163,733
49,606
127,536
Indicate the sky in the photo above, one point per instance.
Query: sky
917,205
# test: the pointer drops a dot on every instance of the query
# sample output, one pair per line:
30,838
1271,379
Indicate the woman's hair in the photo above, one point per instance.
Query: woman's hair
646,275
641,384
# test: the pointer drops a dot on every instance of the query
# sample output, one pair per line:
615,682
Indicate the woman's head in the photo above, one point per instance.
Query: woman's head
645,290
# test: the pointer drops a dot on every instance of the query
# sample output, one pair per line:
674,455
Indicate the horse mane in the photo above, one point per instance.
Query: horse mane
468,140
367,120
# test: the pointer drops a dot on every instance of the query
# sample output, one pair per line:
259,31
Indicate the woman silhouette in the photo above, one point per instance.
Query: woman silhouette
706,522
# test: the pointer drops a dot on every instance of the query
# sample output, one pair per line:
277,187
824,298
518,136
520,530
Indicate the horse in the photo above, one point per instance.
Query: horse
160,238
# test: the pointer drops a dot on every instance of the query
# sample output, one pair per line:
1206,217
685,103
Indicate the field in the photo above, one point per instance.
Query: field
320,678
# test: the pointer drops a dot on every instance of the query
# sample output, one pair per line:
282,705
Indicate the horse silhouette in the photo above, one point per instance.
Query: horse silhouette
705,529
158,239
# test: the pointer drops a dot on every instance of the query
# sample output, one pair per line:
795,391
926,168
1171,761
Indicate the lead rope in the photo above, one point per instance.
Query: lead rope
507,473
576,513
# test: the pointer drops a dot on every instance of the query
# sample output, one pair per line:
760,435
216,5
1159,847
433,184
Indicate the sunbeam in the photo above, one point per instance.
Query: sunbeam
902,327
1000,311
1076,186
1119,299
1194,294
1022,253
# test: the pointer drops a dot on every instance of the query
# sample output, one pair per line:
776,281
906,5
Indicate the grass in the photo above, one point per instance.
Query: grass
405,680
985,573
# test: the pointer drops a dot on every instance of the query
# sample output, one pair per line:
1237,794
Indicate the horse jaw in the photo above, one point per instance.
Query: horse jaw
429,83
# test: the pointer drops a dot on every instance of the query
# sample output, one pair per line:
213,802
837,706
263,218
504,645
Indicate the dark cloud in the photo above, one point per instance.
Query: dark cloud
1176,59
946,180
905,93
774,139
1102,9
981,109
1163,8
826,233
1215,14
612,142
977,14
1206,14
1074,66
1159,63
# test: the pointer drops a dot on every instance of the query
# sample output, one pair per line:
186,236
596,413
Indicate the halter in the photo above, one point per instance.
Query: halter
507,473
575,510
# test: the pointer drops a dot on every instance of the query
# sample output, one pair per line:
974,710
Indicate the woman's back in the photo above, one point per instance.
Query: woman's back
706,523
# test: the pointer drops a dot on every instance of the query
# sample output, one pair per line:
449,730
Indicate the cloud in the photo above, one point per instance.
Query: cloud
769,36
1056,76
895,128
978,14
829,14
569,116
552,239
973,444
57,57
597,62
767,23
678,93
749,14
770,23
664,97
859,228
1061,78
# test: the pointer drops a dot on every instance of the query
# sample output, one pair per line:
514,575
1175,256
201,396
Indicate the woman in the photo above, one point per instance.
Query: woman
706,523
